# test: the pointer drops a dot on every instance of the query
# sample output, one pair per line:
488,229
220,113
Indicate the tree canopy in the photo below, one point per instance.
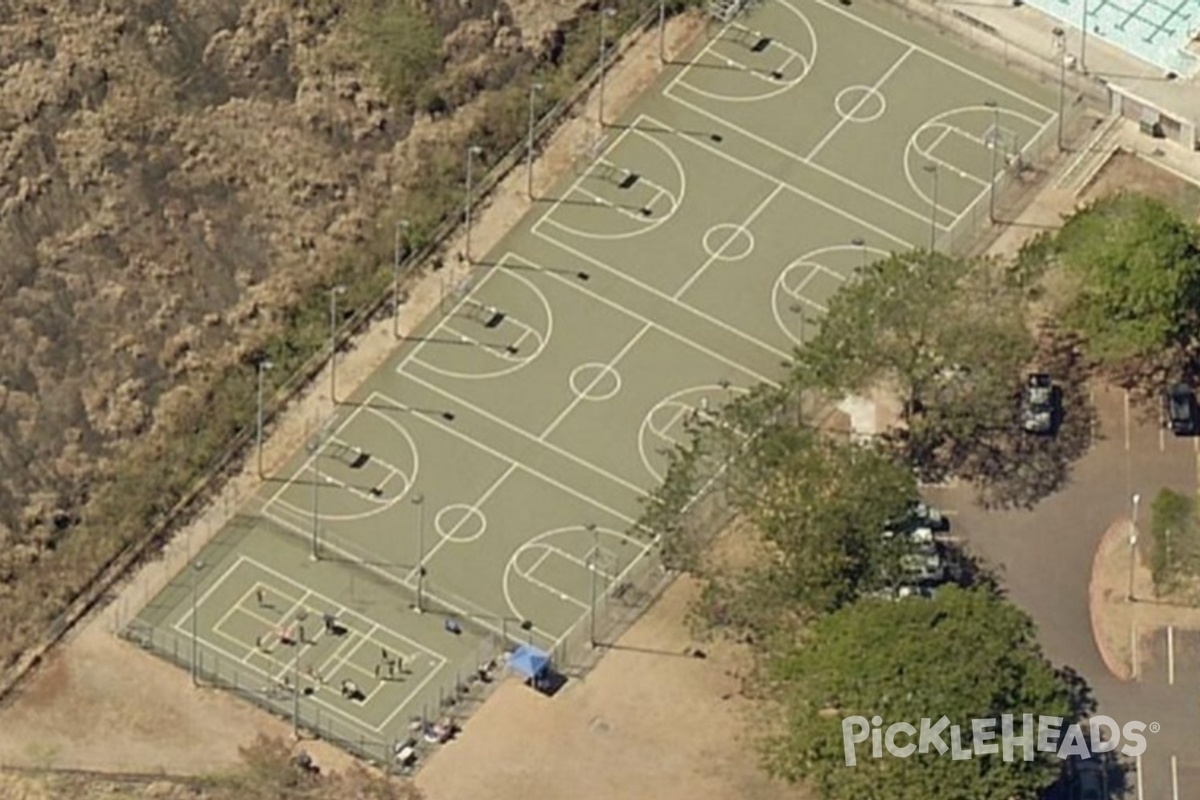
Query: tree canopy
966,654
1134,266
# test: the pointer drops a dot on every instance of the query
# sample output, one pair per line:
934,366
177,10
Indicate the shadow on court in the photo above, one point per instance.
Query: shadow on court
644,128
449,416
570,273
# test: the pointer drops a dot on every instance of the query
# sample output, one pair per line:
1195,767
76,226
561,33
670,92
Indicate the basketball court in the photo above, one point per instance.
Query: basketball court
493,472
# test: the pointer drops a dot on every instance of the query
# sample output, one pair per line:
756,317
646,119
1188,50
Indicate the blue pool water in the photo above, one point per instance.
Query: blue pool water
1157,31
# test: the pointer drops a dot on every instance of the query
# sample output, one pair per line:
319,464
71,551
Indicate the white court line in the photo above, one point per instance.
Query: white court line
765,142
335,662
1174,777
479,501
939,58
1170,655
345,610
479,614
237,607
1139,777
745,226
794,189
546,218
438,659
203,598
616,582
828,137
581,396
679,337
640,491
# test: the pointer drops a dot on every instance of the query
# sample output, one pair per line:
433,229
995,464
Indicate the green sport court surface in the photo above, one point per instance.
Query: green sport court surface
693,246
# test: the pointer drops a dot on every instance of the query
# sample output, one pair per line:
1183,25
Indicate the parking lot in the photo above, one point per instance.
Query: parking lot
1044,556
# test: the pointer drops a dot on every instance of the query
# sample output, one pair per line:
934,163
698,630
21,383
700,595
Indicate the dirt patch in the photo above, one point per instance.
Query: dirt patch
1125,171
1117,623
649,721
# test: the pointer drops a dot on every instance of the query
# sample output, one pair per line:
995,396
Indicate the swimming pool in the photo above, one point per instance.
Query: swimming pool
1157,31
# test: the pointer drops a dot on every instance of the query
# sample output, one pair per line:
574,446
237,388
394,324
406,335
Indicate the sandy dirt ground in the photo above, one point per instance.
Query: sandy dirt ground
648,722
1117,622
651,721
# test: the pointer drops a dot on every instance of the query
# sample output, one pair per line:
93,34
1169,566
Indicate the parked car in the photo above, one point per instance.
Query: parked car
1038,409
923,566
930,517
1179,409
1089,780
919,516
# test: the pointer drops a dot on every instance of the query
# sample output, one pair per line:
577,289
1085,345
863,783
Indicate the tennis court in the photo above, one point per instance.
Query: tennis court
493,470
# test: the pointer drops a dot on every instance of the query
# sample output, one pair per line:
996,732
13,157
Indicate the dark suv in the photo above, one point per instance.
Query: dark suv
1179,409
1039,409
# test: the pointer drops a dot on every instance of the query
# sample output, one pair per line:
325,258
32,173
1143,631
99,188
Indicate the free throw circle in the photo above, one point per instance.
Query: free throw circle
860,104
595,381
728,242
460,523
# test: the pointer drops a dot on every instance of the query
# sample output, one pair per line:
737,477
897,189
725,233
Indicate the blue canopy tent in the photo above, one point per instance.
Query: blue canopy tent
529,661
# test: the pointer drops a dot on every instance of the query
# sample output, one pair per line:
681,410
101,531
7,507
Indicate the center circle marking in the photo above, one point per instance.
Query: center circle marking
595,381
860,104
460,523
728,242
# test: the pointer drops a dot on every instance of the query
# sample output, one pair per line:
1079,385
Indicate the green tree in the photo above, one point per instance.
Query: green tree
403,46
943,332
966,654
1134,270
950,337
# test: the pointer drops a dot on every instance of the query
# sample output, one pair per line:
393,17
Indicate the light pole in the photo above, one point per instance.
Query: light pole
798,310
591,528
263,367
605,13
315,445
402,225
199,565
995,107
933,215
1083,40
472,151
662,31
419,501
333,296
1061,37
533,90
861,244
296,692
1133,544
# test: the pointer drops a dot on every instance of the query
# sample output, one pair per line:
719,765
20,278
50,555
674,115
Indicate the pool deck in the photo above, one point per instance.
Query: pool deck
1031,33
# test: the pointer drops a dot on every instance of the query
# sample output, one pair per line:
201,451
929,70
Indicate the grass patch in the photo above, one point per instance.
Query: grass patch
1175,537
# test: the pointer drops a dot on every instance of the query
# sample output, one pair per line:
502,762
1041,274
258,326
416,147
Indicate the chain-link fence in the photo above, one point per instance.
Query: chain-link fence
429,720
1018,170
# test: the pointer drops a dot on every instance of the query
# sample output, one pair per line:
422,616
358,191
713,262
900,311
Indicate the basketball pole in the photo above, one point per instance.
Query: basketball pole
199,565
472,151
591,527
262,368
533,90
333,296
933,215
605,13
402,225
419,501
662,31
992,104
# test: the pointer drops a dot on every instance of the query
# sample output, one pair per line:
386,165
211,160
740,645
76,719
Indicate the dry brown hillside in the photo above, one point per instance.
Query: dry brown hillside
173,177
